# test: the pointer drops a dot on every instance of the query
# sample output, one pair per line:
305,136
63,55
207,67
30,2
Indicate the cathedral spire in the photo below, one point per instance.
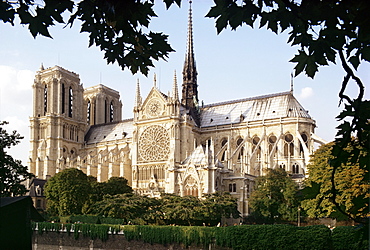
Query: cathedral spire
155,80
189,86
138,96
175,93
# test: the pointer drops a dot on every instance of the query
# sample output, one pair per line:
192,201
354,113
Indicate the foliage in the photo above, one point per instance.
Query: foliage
196,236
274,237
46,227
190,210
119,28
87,230
348,238
67,192
170,209
234,237
349,180
91,219
124,206
12,172
321,30
274,197
113,186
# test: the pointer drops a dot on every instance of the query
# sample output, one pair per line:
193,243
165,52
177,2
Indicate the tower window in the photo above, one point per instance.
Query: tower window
88,111
63,99
105,111
70,100
45,99
111,112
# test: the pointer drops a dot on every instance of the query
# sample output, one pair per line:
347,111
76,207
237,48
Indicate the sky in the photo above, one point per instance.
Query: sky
231,65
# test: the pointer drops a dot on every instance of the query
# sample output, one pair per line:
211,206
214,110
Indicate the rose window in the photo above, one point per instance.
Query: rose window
154,144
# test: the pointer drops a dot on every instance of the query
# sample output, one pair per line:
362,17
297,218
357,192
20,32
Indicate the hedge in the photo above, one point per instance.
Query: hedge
93,231
348,238
234,237
91,219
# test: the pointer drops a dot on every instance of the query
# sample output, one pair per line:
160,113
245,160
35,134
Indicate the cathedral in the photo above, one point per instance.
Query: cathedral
172,144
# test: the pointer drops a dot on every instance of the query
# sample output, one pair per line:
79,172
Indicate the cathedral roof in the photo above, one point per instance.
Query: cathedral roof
259,108
110,132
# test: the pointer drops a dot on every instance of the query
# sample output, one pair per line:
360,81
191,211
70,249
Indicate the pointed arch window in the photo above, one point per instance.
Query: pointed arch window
70,102
105,111
241,152
305,140
191,187
45,99
223,143
272,140
288,145
282,165
63,100
94,111
111,112
295,168
255,142
88,111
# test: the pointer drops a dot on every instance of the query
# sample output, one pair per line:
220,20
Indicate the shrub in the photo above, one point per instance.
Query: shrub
350,238
274,237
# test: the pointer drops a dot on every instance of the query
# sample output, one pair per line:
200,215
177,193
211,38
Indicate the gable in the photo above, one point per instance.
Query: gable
154,104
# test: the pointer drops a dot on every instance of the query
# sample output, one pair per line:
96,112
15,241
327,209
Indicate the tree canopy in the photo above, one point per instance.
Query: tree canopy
67,192
274,198
118,28
169,209
350,183
71,191
12,172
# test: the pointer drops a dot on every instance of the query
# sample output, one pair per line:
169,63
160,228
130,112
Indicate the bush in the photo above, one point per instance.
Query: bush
234,237
350,238
274,237
92,219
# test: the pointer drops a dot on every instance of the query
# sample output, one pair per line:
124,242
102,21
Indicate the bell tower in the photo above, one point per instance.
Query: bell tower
58,121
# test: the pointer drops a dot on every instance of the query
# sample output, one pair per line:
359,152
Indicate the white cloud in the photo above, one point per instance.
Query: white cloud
306,93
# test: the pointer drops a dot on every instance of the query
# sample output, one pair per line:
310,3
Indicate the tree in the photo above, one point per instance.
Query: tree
12,172
322,31
169,209
116,185
117,27
349,180
113,186
219,205
274,198
67,192
131,207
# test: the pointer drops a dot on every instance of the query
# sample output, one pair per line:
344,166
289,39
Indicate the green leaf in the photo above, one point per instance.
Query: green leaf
312,67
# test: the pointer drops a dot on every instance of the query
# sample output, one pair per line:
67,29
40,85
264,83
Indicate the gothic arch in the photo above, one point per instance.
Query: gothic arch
223,150
191,186
288,145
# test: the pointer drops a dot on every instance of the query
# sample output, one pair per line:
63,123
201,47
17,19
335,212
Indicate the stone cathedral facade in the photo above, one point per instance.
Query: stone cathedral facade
172,144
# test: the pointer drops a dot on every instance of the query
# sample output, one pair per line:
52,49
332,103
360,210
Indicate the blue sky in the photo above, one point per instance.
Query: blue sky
232,65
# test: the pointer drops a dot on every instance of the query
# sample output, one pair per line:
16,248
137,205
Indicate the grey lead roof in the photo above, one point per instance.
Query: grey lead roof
109,132
252,109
